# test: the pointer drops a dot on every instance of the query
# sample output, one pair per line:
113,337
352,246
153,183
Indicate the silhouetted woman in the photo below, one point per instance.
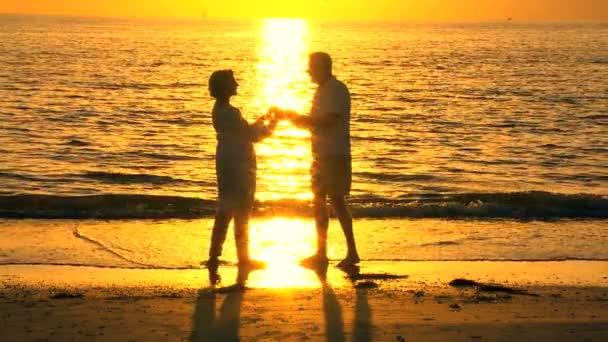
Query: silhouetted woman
235,167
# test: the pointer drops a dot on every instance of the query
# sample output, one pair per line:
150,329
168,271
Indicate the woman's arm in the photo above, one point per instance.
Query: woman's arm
228,121
263,126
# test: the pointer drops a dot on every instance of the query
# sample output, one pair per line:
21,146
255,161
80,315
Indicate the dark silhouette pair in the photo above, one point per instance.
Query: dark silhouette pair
209,325
331,171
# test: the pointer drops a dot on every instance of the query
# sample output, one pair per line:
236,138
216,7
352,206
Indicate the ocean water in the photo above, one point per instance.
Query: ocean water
110,118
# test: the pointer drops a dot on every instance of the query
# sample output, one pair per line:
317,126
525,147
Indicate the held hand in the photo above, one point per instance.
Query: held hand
281,114
274,110
290,115
286,115
272,124
269,120
270,115
266,117
273,113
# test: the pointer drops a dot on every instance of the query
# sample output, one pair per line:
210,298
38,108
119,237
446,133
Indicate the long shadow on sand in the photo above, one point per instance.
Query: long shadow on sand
334,326
225,327
211,326
332,312
362,330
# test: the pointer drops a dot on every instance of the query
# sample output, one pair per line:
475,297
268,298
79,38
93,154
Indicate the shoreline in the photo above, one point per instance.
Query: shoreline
572,273
558,301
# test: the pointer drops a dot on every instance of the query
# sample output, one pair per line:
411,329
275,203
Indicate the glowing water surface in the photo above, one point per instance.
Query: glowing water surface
284,158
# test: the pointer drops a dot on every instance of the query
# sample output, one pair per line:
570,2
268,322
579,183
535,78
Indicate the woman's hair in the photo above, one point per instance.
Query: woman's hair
219,82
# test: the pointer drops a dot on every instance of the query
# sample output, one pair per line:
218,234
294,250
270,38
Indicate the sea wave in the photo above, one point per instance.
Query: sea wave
143,85
128,178
395,177
111,206
517,205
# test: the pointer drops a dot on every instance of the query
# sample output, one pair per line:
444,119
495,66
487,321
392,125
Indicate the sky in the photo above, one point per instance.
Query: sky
405,10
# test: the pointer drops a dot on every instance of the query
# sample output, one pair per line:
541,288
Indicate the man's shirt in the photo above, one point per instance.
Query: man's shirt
331,99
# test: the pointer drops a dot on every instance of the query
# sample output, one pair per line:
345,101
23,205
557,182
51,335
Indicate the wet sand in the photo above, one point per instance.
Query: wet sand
540,301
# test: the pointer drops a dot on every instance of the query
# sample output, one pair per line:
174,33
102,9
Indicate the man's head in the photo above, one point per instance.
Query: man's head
319,67
222,84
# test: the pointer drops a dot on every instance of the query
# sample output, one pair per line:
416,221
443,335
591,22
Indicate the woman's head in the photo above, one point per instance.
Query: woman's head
222,84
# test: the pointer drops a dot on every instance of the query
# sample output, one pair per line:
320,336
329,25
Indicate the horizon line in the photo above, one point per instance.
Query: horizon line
369,20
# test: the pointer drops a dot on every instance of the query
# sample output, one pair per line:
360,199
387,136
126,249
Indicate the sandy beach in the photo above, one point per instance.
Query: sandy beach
407,301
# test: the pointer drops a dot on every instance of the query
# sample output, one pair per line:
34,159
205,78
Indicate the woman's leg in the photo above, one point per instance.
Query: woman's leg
218,236
241,234
241,238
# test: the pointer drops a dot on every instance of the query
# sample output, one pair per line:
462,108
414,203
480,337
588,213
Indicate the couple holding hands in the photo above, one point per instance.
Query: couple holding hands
329,124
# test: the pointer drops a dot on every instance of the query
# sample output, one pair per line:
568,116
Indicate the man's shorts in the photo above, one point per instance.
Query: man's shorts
331,175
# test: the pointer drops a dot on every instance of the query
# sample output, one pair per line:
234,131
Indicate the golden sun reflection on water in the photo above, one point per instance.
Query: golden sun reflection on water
284,158
281,243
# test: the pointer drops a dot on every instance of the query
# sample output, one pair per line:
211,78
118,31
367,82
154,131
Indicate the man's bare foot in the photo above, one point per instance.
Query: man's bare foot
315,262
352,271
349,261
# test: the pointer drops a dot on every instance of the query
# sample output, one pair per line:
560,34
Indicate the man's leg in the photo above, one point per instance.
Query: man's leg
218,236
321,223
319,259
346,222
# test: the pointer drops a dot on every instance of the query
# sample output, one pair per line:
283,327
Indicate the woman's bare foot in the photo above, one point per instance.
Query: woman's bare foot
212,264
315,262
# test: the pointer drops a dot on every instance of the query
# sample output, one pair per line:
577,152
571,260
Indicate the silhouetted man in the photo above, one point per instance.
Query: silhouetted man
329,124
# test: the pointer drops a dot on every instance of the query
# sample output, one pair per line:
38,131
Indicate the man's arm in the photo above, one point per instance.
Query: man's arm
336,106
308,122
